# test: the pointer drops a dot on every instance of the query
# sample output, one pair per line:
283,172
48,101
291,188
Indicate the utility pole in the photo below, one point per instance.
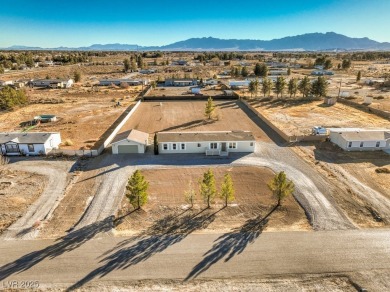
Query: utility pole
339,89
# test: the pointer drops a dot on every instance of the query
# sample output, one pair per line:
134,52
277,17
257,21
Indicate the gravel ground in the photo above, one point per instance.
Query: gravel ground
57,173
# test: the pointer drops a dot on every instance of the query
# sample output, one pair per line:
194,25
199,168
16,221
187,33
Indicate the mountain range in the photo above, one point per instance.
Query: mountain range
329,41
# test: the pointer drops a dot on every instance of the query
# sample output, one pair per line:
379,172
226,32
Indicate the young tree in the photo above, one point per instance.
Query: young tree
77,76
208,112
304,86
1,69
11,98
207,187
190,194
254,87
133,66
126,64
292,87
155,144
346,64
261,70
328,64
279,86
289,71
358,76
244,72
281,187
136,190
227,189
266,86
319,87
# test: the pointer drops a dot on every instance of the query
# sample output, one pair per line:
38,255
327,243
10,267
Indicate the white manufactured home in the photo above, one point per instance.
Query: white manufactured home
128,142
209,143
52,83
360,139
28,143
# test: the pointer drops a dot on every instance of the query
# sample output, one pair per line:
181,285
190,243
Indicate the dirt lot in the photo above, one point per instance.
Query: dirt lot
298,118
186,90
189,116
341,168
18,190
166,202
83,115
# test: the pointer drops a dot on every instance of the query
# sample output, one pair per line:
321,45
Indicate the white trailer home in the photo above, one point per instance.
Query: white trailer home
28,143
210,143
350,139
52,83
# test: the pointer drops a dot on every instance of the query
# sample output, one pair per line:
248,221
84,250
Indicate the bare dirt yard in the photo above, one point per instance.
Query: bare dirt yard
362,177
189,116
178,91
298,118
167,208
83,115
18,190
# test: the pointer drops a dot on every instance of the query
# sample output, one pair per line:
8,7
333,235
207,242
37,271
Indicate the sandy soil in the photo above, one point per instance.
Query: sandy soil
299,118
189,116
341,169
18,190
166,200
83,117
178,91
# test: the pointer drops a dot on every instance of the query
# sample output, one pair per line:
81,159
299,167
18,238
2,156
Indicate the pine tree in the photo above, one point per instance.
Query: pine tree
289,71
304,86
207,187
126,64
292,87
319,87
266,86
208,112
281,187
359,76
227,189
136,190
279,86
77,76
244,72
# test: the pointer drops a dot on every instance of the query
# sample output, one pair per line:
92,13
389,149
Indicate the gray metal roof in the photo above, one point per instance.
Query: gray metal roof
25,138
217,136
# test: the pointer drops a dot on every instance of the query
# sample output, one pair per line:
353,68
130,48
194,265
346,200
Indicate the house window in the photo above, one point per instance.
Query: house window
214,145
11,148
183,146
232,145
349,144
174,146
377,144
30,148
165,146
199,145
361,144
251,144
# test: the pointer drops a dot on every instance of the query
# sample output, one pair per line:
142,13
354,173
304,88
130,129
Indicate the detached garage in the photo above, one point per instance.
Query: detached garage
132,142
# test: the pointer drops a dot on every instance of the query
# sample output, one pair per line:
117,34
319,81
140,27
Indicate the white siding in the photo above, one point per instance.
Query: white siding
201,147
337,139
141,147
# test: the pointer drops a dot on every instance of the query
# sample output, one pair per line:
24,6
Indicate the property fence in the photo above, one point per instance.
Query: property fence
68,152
287,138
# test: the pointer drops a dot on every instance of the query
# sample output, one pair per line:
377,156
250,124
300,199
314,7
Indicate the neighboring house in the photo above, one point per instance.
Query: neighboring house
180,62
4,83
28,143
233,84
52,83
360,139
147,71
209,143
45,118
133,141
210,82
181,82
118,82
277,72
322,72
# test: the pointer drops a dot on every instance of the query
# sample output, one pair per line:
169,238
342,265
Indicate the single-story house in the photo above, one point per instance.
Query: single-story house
181,82
210,143
4,83
210,82
239,83
277,72
350,139
52,83
133,141
118,82
28,143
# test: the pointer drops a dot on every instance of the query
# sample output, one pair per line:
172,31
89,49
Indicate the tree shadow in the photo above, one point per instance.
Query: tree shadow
231,244
161,235
63,245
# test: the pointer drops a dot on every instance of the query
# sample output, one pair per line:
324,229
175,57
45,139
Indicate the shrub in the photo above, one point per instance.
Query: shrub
11,98
68,142
382,170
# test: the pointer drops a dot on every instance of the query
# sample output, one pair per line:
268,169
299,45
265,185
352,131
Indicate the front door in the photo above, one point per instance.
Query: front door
223,147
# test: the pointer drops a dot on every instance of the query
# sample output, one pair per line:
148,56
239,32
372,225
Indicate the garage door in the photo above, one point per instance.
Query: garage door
123,149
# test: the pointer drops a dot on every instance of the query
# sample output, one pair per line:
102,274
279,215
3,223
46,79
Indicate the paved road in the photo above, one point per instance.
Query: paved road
79,260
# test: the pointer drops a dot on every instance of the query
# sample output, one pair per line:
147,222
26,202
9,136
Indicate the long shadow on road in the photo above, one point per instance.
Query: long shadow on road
163,234
64,244
231,244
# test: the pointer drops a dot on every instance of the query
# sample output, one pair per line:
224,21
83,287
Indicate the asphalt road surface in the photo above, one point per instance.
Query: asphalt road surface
82,259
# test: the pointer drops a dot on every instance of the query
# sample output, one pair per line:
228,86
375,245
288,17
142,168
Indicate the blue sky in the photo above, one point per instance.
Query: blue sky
157,22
